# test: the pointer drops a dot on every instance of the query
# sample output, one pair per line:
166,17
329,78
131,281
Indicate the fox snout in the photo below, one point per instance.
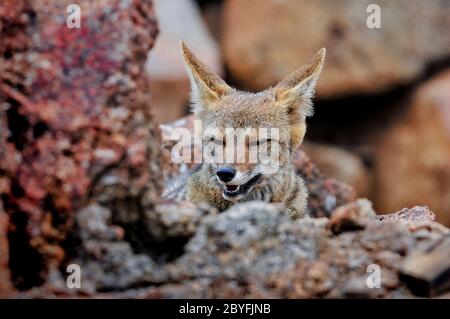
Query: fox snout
235,173
226,174
236,182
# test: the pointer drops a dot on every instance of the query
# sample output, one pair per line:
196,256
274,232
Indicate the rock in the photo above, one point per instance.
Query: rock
109,262
79,127
253,250
357,288
341,165
175,220
263,47
6,287
417,214
413,156
251,238
169,83
352,216
427,272
325,194
420,221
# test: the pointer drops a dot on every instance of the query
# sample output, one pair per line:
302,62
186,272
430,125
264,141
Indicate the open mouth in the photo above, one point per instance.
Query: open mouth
235,190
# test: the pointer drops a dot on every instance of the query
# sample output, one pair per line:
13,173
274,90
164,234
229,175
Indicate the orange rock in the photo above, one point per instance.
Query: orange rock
413,165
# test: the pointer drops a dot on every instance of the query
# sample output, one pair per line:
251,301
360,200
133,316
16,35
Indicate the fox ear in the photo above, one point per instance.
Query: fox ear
297,90
207,87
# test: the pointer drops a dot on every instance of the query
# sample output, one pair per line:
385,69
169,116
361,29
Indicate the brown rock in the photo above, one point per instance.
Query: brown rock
427,272
169,82
352,216
413,157
341,165
266,40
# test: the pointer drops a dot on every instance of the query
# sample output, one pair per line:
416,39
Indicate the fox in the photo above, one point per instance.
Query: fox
218,106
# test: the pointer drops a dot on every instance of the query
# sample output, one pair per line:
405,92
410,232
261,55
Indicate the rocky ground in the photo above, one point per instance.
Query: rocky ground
82,164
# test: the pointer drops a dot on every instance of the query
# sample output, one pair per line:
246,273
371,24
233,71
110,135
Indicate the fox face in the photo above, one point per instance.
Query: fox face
250,136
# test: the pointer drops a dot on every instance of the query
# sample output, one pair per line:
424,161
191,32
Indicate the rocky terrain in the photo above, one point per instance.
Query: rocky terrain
83,161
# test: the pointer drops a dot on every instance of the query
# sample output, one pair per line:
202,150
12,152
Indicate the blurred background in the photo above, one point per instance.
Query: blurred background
382,106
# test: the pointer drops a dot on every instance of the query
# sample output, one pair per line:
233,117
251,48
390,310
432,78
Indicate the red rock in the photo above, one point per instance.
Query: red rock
79,125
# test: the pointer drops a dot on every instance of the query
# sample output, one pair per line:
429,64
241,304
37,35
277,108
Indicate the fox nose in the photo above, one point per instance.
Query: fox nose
226,174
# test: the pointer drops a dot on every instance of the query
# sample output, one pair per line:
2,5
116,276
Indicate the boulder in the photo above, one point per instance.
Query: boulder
254,250
413,156
342,165
266,40
78,125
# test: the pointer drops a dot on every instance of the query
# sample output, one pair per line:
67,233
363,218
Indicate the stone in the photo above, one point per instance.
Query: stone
169,83
416,214
325,194
265,46
352,216
427,272
254,250
78,124
413,155
342,165
109,262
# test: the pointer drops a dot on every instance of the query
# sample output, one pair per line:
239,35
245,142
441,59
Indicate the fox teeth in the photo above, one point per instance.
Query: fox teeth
232,188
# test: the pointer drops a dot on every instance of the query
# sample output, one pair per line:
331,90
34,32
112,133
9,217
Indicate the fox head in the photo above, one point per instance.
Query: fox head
272,122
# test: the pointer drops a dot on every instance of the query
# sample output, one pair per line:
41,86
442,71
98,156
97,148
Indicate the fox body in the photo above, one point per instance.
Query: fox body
222,183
